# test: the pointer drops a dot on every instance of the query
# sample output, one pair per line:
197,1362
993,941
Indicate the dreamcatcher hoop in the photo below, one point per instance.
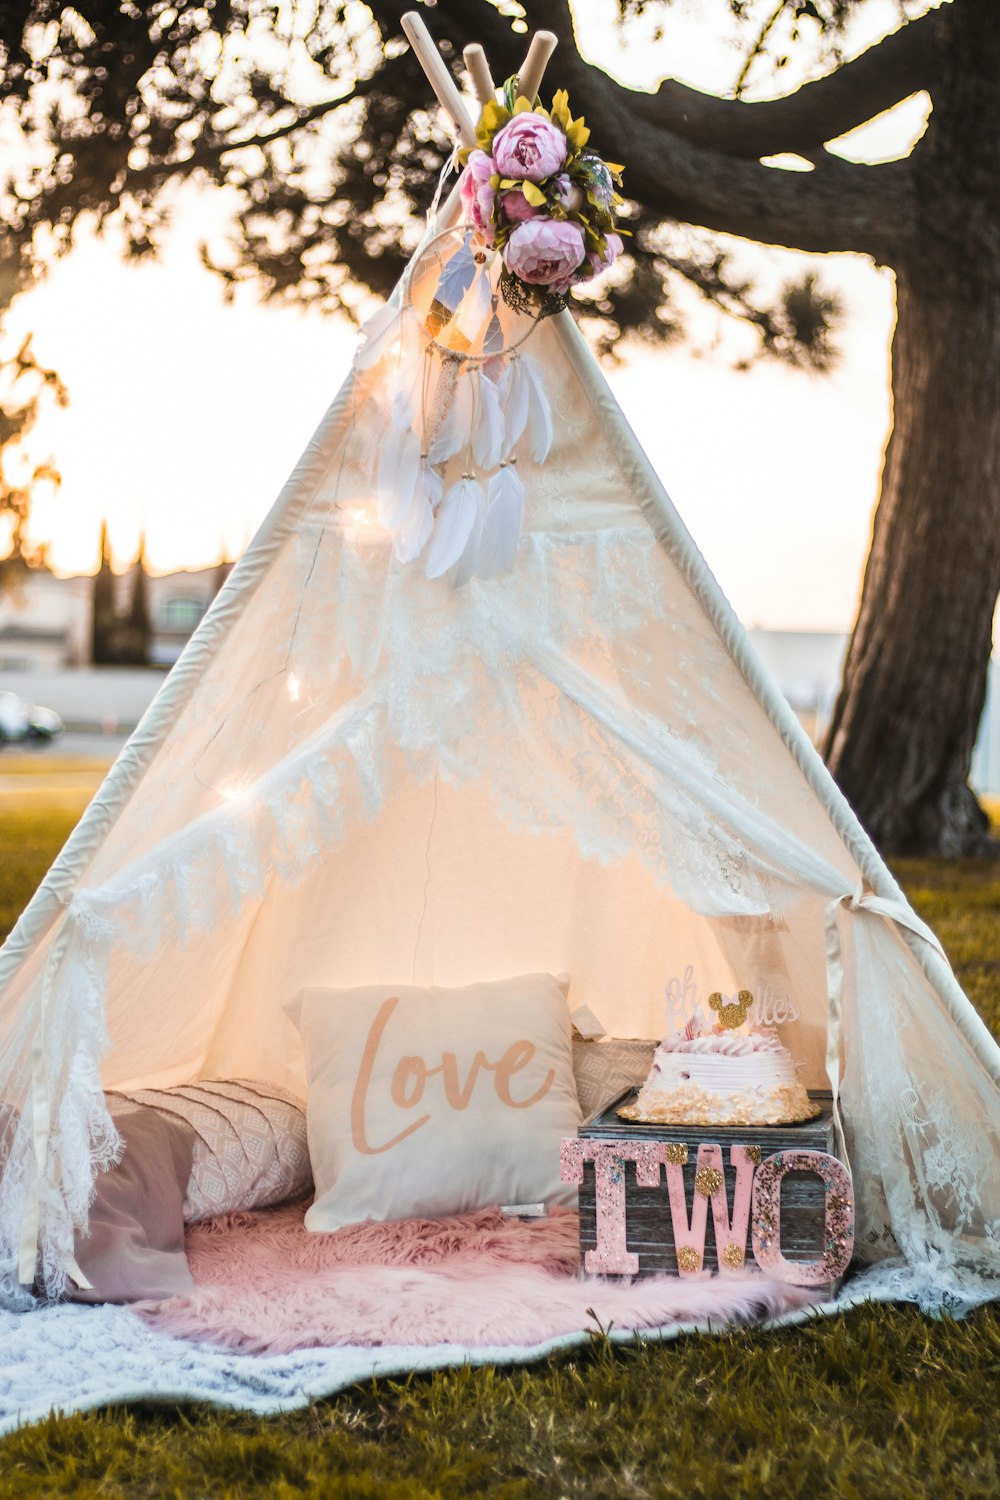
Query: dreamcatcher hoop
481,256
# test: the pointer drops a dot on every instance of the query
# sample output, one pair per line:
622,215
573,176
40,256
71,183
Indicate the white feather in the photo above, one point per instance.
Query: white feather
455,521
468,564
413,537
502,524
455,429
539,412
476,306
432,485
379,334
488,426
407,382
398,474
515,406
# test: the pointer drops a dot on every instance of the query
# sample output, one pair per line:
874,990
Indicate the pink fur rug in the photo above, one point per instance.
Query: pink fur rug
266,1285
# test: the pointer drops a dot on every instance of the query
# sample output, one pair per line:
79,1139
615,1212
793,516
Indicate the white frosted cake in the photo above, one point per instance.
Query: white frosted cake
722,1077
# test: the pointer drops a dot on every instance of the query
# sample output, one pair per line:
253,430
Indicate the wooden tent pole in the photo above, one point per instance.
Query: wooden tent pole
438,76
479,72
529,80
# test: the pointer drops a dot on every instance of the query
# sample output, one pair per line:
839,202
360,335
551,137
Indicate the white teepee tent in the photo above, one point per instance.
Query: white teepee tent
358,773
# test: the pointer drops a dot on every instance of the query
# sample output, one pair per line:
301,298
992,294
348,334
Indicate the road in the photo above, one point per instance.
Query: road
102,747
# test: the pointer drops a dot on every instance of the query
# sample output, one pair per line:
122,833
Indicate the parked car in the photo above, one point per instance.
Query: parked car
21,720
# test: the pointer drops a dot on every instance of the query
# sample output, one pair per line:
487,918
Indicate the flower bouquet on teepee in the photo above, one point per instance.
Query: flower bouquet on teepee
464,399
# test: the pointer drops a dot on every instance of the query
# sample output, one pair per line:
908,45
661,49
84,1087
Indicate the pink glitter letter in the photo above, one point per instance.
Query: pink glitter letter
689,1238
610,1256
731,1236
838,1233
710,1183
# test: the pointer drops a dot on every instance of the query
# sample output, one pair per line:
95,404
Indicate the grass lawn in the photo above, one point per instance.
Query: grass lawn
880,1403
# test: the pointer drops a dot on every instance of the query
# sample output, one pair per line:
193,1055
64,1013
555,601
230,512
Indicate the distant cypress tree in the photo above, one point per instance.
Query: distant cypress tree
103,618
138,627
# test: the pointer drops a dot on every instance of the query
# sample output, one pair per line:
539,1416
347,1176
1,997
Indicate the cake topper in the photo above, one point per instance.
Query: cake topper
772,1004
732,1011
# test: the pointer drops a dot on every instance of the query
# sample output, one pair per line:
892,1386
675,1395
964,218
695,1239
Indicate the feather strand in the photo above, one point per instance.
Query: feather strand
455,522
502,524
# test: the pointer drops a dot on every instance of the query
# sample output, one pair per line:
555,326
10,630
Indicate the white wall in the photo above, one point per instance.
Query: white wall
106,699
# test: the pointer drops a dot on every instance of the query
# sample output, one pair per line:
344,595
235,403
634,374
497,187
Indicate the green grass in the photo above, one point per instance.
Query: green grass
30,838
879,1403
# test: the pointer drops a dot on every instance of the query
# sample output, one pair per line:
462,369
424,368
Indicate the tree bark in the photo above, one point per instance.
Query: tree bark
905,725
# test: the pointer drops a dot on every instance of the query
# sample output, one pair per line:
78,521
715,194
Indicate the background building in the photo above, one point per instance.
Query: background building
47,623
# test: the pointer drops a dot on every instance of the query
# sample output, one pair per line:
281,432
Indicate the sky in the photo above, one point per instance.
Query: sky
186,414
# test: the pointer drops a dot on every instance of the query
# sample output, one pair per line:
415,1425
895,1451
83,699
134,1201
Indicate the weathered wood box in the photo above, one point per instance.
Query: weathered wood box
649,1232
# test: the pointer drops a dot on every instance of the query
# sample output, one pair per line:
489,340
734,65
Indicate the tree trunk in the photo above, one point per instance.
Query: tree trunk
906,721
904,728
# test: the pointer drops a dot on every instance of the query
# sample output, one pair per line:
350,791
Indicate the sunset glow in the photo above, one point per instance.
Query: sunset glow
186,414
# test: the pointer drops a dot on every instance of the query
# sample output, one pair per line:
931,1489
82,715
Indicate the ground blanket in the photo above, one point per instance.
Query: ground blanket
71,1358
266,1285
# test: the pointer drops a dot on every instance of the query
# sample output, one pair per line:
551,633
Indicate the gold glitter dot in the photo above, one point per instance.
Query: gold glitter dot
753,1154
707,1181
688,1258
676,1153
733,1257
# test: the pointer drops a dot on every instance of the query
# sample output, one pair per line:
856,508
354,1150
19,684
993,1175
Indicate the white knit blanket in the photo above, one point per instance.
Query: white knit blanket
66,1358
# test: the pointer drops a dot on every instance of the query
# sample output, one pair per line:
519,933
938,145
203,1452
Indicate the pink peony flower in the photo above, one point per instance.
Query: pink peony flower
567,193
545,252
529,146
599,262
516,206
477,195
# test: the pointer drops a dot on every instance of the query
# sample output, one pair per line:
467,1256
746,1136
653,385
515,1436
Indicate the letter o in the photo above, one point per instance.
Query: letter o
838,1225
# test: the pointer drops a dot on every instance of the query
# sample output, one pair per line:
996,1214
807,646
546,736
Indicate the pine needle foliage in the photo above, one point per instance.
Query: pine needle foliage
879,1402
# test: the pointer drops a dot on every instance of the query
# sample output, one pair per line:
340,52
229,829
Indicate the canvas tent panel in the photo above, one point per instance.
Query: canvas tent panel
215,846
439,891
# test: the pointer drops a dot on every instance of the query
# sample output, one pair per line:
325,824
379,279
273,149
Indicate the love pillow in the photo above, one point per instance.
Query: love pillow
427,1102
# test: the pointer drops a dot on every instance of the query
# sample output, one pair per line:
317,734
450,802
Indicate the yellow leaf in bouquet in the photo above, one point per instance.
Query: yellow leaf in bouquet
493,116
578,134
534,194
492,119
560,110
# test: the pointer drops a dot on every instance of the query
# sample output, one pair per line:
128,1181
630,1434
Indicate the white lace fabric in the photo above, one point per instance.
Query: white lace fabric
371,775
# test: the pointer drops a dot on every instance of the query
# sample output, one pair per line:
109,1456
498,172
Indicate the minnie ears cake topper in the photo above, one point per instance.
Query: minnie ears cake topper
540,198
732,1010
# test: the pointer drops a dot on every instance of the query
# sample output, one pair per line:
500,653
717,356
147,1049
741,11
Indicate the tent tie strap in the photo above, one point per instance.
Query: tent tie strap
862,899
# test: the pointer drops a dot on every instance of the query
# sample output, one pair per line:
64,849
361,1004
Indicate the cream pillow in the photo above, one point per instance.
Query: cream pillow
249,1143
424,1102
604,1069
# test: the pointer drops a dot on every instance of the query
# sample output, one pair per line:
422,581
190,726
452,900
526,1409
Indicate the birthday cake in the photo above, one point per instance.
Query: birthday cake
725,1074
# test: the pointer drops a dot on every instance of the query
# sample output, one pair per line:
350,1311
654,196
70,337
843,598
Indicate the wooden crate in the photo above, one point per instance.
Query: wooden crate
649,1228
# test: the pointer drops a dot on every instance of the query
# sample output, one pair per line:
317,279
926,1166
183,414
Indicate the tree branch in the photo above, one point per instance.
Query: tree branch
210,150
676,174
836,207
816,112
